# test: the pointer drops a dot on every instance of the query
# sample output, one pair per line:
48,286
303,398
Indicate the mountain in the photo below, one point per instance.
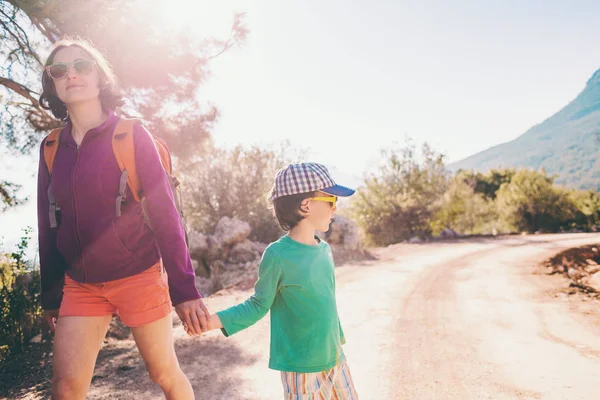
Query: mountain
566,144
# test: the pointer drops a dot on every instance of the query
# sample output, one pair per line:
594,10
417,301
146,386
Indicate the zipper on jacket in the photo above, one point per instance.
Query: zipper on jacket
75,207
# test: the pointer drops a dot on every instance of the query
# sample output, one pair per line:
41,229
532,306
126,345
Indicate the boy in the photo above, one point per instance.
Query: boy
296,282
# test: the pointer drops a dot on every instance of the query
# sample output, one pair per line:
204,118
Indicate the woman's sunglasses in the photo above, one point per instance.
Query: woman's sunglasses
60,70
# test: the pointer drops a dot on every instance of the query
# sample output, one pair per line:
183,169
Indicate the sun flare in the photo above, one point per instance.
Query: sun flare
202,17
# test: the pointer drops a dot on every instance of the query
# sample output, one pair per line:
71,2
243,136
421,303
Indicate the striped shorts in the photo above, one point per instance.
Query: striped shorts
333,384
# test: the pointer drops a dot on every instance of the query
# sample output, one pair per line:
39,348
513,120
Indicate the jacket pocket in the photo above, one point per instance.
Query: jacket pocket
66,244
104,249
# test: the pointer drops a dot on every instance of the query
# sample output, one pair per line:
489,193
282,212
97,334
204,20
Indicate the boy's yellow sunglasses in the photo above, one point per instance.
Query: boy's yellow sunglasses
329,199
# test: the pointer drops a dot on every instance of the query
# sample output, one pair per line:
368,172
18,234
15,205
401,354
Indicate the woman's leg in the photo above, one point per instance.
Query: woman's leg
155,343
76,345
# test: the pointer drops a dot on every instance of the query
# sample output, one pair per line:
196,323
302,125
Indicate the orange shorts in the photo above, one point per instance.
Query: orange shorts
137,300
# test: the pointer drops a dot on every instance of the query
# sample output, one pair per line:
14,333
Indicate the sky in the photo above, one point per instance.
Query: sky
345,79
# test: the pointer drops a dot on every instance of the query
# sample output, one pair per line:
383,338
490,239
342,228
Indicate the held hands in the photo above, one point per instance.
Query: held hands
209,323
194,316
214,322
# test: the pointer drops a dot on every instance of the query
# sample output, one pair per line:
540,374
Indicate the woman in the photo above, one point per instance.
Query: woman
95,263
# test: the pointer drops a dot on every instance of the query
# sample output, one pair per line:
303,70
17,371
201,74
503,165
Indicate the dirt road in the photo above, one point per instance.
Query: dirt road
461,320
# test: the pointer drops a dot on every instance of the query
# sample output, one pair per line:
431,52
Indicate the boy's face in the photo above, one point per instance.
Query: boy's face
320,213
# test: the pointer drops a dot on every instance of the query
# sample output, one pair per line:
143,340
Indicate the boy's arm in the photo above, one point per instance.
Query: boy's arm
241,316
214,322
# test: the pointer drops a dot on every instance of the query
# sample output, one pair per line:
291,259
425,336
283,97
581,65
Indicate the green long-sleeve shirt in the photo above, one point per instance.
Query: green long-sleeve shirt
296,282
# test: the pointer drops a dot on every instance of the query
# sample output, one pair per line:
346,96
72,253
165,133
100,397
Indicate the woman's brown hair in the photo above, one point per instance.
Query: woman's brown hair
110,97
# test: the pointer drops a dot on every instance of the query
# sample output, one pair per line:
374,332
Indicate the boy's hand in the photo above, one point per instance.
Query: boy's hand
214,322
194,316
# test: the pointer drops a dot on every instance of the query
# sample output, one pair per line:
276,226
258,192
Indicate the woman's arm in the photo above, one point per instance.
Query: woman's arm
52,264
164,218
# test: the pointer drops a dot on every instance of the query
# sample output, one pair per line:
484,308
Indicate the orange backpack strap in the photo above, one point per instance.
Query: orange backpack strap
51,148
51,144
164,153
124,151
165,159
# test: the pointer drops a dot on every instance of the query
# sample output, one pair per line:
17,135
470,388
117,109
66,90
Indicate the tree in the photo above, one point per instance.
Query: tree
8,195
398,200
159,72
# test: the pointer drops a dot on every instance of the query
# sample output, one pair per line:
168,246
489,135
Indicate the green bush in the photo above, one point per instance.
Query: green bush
486,184
234,183
530,202
398,201
20,307
587,204
411,195
465,211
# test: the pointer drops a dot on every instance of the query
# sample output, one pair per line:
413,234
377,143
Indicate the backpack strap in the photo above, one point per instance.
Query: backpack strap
164,153
51,144
165,159
124,151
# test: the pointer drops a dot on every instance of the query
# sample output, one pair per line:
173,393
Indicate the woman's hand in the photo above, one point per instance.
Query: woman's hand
194,316
51,318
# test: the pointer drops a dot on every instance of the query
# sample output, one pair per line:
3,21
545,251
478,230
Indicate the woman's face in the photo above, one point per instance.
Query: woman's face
75,76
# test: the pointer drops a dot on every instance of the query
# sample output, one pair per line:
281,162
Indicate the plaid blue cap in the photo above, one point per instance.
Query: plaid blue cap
304,178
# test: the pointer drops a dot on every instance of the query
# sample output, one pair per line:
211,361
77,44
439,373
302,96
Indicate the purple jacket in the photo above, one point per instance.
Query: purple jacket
92,244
